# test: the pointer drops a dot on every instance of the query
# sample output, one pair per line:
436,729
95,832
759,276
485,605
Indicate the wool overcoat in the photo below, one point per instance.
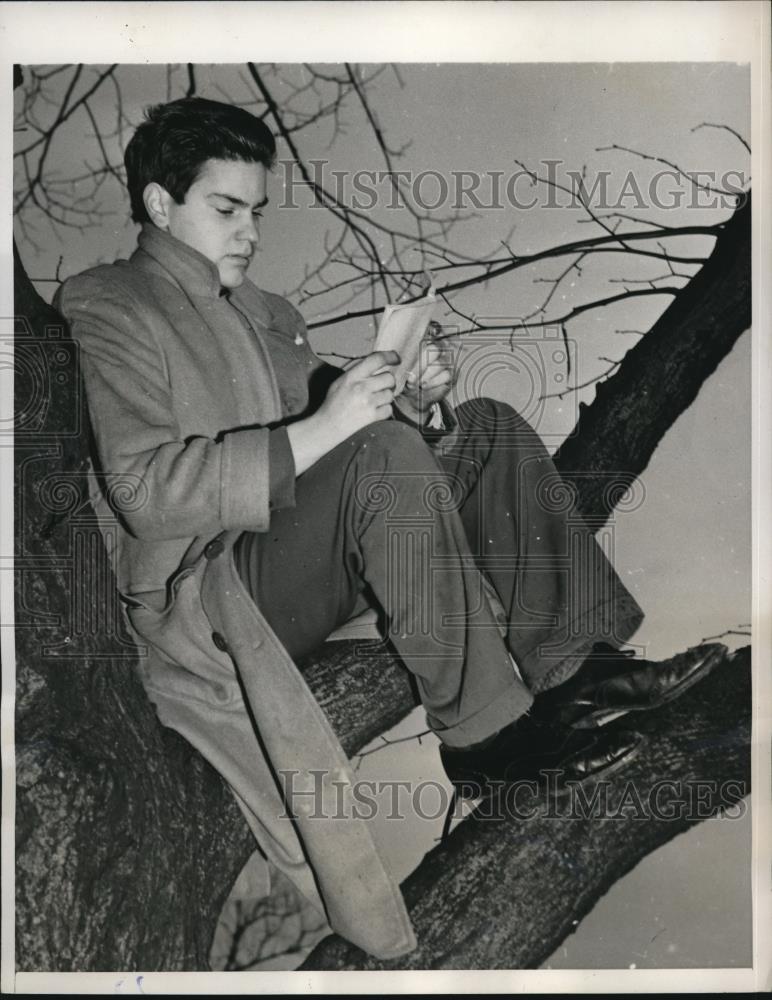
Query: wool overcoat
182,392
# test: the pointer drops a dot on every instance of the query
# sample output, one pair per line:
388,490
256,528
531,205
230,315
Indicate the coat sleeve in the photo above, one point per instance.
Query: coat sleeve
182,488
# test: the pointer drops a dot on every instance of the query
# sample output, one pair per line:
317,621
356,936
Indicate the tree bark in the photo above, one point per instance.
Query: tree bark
616,435
127,841
510,883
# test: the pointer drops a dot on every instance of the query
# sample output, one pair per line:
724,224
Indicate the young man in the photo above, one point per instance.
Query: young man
260,497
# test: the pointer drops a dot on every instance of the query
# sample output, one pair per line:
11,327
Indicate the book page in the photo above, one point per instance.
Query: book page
402,328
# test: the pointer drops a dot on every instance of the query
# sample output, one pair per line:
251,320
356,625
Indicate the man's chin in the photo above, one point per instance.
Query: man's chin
231,277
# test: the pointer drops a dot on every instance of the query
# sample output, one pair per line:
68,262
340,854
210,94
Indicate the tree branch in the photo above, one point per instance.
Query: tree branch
513,880
727,128
668,163
661,375
526,260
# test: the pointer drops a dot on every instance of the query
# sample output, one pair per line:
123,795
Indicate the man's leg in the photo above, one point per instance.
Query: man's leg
567,611
559,592
378,512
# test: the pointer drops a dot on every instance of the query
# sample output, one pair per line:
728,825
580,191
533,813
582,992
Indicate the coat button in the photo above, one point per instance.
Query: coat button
214,548
219,640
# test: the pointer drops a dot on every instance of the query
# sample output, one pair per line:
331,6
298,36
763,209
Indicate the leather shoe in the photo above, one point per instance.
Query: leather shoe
610,684
546,753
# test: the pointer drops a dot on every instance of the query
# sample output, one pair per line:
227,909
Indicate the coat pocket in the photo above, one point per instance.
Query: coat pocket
184,662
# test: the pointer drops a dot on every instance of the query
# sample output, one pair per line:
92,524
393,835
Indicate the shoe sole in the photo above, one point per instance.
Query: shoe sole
602,716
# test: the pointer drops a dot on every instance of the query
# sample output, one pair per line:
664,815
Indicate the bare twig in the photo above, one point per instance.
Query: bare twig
506,266
668,163
583,385
729,631
728,128
575,265
571,314
65,111
191,80
386,742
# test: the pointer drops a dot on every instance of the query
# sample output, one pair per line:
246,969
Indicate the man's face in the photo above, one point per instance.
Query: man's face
220,213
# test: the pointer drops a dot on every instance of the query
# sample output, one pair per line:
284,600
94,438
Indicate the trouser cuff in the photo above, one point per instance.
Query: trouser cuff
511,704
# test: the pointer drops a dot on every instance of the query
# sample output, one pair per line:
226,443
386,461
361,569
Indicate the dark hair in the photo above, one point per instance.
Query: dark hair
176,139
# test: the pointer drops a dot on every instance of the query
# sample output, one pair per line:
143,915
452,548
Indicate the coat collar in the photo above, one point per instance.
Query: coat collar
195,274
179,263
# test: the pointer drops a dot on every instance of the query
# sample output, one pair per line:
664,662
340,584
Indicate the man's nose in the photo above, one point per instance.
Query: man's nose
248,230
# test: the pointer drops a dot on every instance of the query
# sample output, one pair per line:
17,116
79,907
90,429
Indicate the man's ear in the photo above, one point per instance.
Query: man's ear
157,201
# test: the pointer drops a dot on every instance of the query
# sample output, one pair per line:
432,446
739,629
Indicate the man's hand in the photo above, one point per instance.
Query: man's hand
433,382
362,395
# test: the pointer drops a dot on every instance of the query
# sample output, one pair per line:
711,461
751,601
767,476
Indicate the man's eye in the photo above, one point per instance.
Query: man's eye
225,211
257,215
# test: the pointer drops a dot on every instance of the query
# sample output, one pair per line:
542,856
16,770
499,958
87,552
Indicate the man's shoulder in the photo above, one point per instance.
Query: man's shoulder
116,281
111,303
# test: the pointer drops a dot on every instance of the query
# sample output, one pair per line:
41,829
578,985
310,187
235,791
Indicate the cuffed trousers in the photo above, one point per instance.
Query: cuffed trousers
382,517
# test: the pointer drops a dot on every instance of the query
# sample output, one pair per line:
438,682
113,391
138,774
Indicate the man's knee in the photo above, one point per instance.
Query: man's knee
484,412
490,426
388,442
392,466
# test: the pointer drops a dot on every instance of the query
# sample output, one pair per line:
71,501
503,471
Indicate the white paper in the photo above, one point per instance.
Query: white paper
402,328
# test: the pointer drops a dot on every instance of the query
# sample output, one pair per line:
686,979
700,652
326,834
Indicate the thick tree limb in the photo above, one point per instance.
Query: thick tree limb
502,893
661,375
